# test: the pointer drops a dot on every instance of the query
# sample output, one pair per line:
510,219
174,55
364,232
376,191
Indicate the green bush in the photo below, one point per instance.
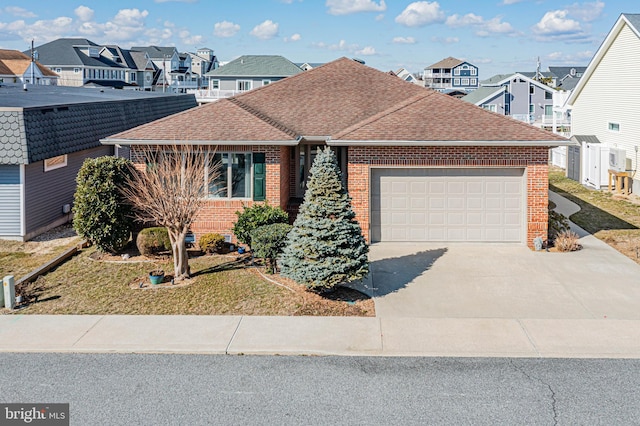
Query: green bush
100,211
268,241
211,243
558,223
153,240
253,217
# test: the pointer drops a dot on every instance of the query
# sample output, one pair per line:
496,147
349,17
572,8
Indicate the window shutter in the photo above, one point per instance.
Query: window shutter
259,177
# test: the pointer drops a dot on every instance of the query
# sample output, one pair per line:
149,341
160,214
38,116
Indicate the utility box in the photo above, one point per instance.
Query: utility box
8,285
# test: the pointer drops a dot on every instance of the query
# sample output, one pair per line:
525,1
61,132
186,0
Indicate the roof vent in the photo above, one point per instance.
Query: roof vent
361,61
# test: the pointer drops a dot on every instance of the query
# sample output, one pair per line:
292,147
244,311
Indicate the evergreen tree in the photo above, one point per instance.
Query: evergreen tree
325,247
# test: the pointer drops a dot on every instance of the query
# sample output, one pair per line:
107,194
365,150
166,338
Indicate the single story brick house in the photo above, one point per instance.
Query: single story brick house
419,165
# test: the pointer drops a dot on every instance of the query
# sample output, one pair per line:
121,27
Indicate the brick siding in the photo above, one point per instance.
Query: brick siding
219,215
533,159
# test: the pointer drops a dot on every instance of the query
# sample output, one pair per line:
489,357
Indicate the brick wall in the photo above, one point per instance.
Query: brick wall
533,159
218,215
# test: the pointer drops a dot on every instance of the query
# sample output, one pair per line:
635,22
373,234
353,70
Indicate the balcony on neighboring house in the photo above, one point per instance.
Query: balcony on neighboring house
212,95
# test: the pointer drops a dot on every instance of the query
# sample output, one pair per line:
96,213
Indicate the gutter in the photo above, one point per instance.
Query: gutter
549,143
133,142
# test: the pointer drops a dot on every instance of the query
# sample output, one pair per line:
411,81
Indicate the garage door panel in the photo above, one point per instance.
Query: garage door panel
437,204
475,203
437,219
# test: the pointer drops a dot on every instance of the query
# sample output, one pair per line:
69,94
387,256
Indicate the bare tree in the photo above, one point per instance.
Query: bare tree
170,191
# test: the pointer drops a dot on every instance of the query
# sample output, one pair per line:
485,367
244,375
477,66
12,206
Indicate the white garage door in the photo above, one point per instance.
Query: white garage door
430,204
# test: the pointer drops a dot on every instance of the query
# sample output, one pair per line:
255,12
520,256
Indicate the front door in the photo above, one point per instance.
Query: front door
305,154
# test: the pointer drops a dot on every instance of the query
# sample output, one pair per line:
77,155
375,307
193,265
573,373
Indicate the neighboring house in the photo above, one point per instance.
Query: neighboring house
451,73
516,95
418,165
46,132
18,68
606,102
79,62
246,73
203,61
167,62
406,75
567,77
306,66
140,69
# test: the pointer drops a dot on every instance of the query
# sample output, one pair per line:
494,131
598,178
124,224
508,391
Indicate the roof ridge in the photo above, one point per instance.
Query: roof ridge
262,116
394,108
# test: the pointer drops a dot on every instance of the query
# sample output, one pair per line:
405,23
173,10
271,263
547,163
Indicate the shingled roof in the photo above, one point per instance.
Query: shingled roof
13,62
449,62
257,66
342,102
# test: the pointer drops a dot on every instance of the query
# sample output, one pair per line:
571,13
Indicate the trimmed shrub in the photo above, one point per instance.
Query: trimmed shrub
558,223
211,243
268,241
151,241
325,248
567,241
101,213
257,215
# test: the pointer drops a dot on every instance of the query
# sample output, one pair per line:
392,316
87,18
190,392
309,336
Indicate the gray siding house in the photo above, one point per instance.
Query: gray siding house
246,73
516,95
47,132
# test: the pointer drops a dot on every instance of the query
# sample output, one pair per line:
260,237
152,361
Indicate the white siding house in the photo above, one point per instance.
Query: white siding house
606,101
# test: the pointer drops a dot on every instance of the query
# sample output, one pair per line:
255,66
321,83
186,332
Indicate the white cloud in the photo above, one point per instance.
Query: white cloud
367,51
586,12
445,40
266,30
508,2
420,13
127,24
19,11
42,30
556,26
404,40
295,37
570,58
225,29
345,7
343,46
484,28
84,13
456,21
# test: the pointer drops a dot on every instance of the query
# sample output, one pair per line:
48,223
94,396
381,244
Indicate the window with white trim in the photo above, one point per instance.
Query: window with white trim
614,127
215,84
243,85
474,71
456,82
456,71
55,163
266,82
465,81
232,175
490,107
474,82
76,70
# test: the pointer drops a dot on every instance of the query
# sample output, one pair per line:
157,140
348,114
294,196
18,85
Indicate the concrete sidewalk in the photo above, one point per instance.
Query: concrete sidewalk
587,306
461,337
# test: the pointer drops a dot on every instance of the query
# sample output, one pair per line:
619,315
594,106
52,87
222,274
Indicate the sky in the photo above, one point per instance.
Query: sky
498,36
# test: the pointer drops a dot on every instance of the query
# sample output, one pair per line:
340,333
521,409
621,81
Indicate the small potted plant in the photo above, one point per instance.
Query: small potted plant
156,276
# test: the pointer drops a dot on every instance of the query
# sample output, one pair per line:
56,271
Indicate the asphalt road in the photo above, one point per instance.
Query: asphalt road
110,389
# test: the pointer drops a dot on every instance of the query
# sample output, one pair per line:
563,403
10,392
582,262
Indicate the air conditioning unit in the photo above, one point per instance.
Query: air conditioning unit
617,159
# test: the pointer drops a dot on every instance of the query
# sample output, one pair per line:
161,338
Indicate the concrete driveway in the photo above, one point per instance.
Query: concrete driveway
502,281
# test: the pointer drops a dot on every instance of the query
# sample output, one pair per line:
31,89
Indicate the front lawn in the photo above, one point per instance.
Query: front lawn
613,219
221,285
